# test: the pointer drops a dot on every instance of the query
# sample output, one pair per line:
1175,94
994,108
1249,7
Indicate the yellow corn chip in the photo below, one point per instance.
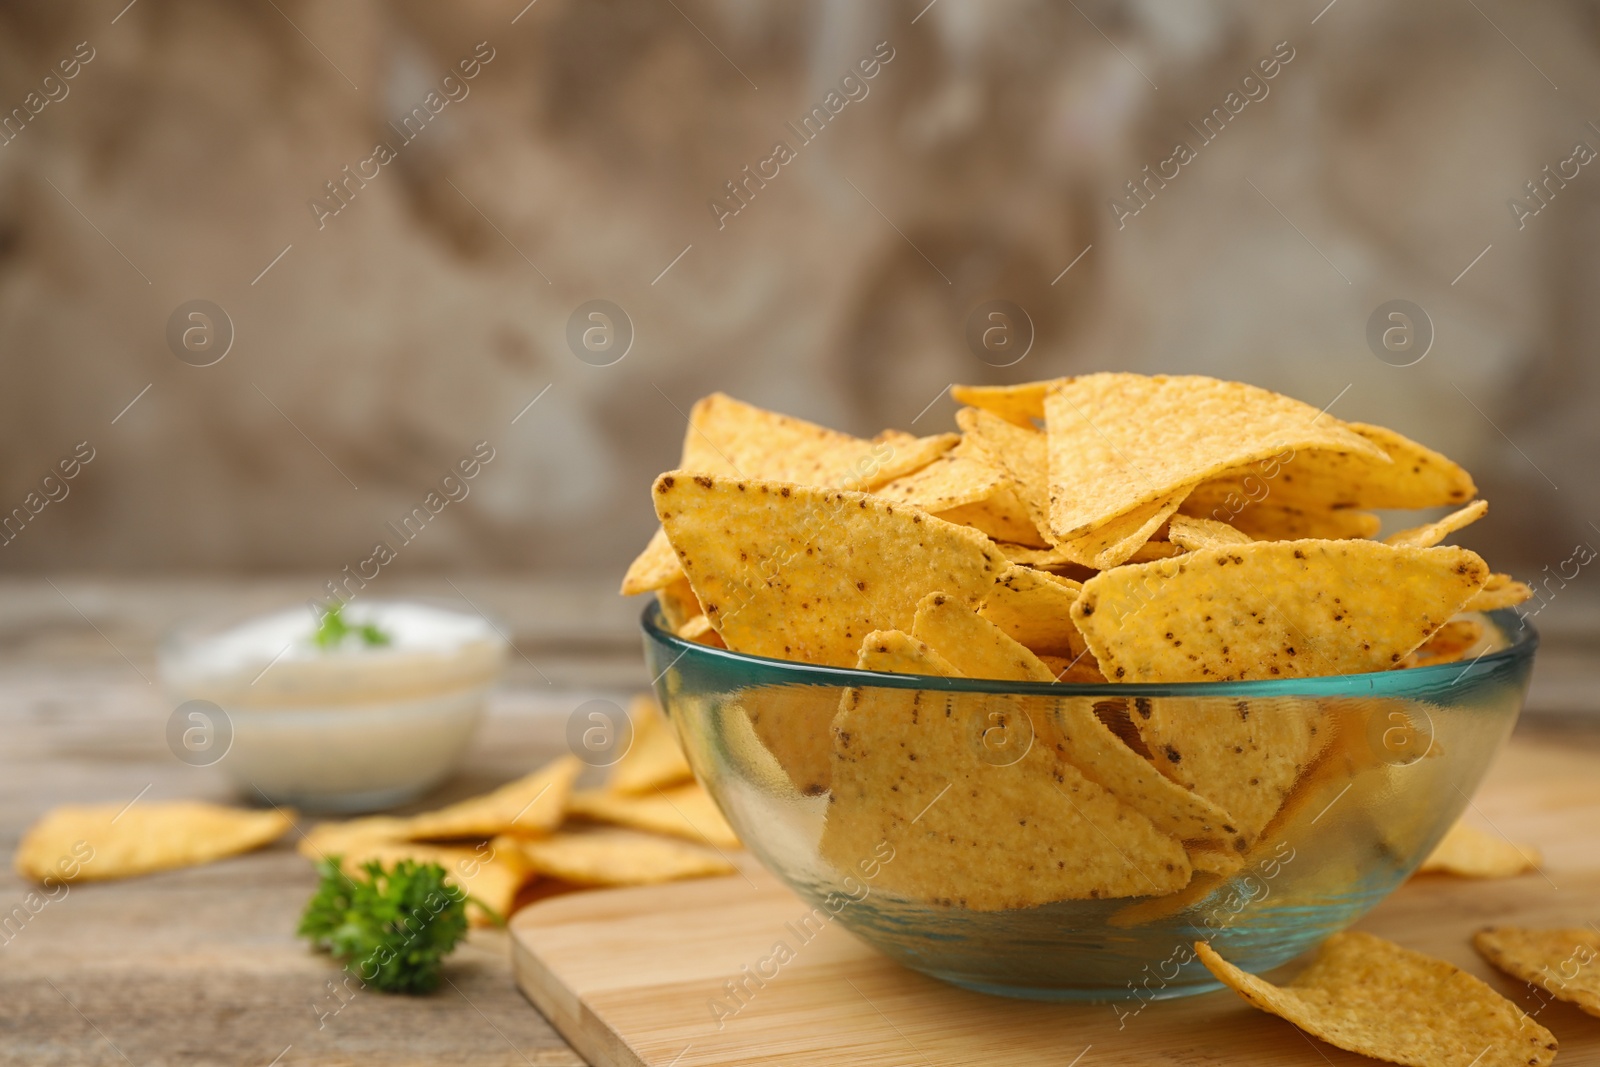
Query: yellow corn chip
1243,757
980,649
1019,452
899,653
700,629
1035,609
682,811
1120,441
960,477
1434,532
1126,537
1079,670
910,786
1194,534
805,574
1001,516
791,722
654,760
655,568
530,805
1500,591
1469,852
1273,520
1221,861
1375,998
93,843
1272,609
677,600
614,857
351,835
1560,962
1151,551
1449,643
1018,404
489,874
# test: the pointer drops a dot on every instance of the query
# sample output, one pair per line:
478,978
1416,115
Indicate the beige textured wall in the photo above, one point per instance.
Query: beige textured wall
424,315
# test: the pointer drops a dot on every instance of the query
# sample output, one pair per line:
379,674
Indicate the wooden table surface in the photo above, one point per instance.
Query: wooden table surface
201,966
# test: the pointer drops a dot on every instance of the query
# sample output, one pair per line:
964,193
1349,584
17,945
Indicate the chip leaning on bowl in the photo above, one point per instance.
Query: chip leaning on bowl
1116,639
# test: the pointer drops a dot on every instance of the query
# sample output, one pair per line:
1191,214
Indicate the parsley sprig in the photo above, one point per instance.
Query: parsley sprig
391,929
333,630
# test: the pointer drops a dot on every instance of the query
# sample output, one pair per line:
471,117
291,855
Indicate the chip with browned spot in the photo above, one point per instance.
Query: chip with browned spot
1564,963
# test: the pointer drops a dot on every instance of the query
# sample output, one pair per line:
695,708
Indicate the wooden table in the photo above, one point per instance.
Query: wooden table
201,966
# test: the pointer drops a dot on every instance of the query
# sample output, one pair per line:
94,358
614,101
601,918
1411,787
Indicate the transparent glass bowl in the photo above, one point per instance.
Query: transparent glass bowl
927,879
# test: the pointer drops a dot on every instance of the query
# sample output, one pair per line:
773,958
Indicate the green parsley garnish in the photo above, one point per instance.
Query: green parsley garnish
391,929
334,630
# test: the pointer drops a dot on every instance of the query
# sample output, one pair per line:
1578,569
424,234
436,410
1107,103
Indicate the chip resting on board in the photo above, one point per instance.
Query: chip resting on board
1120,441
1469,852
1272,609
1563,963
99,842
805,574
1373,997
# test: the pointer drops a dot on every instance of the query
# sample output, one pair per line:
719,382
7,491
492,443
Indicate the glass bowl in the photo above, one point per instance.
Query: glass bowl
939,826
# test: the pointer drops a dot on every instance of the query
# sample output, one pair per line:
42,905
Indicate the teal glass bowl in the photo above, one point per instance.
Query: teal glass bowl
924,872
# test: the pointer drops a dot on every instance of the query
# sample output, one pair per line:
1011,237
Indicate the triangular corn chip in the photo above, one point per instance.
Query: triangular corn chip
1431,534
489,874
98,842
804,574
654,760
1560,962
966,832
603,856
1193,535
1121,441
1271,609
683,811
1373,997
1019,404
1034,607
530,805
1273,520
791,723
960,477
1469,852
1500,591
974,645
897,652
1449,643
1001,516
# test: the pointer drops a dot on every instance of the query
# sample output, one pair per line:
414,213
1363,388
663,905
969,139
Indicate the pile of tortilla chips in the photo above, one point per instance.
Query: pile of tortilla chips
1109,528
650,823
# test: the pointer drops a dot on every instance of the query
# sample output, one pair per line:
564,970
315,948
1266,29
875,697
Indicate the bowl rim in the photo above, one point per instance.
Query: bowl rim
1523,641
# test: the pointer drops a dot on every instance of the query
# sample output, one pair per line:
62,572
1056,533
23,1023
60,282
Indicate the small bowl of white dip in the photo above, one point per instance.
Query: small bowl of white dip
355,709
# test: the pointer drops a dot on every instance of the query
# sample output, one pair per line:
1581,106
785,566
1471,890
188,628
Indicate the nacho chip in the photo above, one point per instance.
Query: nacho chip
804,574
604,856
1151,551
1272,609
960,477
791,723
1195,534
1431,534
1469,852
489,874
1121,441
1035,609
1079,670
532,804
1126,537
909,783
654,760
1450,643
898,652
1274,520
678,602
700,629
682,811
99,842
1500,591
980,649
337,838
1243,758
1022,405
1002,516
655,568
1019,452
1563,963
1371,996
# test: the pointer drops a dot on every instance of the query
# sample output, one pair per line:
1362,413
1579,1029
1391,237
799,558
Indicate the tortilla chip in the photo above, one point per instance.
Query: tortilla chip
615,857
804,574
1195,534
1151,551
977,647
654,760
1469,852
682,811
655,568
1274,520
897,652
1434,532
1022,405
1079,670
530,805
99,842
909,783
1219,861
1019,452
1034,608
700,629
1560,962
1002,516
1449,644
960,477
488,873
1244,758
350,835
791,723
1371,996
1125,537
1121,441
1500,591
1272,609
678,602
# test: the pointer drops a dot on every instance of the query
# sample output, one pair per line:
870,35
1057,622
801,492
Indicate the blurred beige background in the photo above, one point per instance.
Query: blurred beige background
373,348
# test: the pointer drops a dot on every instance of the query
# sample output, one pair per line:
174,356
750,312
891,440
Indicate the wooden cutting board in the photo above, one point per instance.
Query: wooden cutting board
629,975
